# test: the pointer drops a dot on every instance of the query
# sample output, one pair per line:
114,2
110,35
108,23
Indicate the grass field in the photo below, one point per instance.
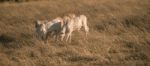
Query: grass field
119,34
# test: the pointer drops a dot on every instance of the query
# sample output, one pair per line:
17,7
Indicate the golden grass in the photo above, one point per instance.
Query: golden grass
119,34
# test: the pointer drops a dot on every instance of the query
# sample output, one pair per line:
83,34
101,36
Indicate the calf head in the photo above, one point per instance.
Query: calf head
72,15
40,29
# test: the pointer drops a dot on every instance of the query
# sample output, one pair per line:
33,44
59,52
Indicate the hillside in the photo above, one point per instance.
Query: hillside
119,34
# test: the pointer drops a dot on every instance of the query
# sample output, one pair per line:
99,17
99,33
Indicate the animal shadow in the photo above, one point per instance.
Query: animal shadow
5,39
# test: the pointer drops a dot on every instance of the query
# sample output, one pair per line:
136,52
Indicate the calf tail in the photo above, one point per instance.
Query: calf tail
85,26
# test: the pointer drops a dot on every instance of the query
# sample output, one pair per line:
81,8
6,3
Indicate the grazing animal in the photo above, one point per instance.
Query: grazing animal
44,28
72,24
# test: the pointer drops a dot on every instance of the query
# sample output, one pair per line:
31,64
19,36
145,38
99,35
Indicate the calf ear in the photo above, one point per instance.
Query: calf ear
37,23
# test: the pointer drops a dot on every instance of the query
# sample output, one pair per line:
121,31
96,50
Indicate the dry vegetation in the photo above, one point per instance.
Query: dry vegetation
119,34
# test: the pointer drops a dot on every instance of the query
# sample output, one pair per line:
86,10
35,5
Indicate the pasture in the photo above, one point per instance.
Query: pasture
119,33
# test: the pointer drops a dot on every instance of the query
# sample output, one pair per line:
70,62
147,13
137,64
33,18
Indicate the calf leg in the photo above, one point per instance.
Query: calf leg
68,35
62,37
45,38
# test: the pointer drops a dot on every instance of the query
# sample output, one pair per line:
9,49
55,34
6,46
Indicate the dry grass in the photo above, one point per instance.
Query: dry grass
119,34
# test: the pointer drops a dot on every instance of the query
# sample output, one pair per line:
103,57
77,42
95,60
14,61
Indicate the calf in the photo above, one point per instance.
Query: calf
43,28
72,24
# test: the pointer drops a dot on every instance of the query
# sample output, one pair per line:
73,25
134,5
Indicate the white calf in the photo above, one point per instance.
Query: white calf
73,24
54,26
